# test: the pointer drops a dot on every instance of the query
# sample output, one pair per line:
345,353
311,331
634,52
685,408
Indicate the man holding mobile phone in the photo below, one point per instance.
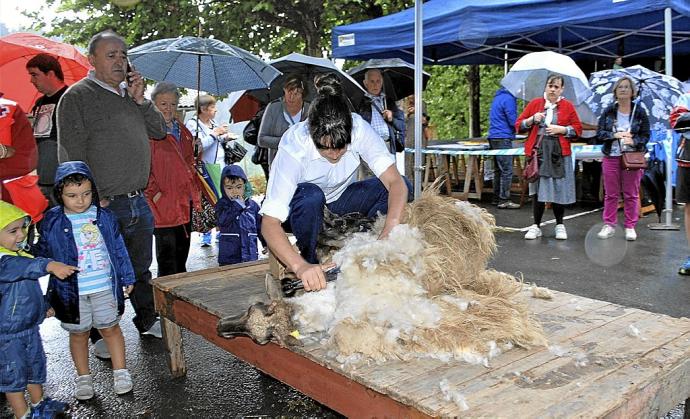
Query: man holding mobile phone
105,121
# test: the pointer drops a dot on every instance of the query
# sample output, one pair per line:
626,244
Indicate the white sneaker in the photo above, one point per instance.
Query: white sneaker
630,234
84,387
100,349
533,232
560,232
155,330
606,232
122,381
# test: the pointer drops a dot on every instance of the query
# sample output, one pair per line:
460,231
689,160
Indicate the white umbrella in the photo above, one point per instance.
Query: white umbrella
527,78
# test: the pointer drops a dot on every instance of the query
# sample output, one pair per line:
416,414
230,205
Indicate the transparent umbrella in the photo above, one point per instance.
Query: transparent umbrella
527,78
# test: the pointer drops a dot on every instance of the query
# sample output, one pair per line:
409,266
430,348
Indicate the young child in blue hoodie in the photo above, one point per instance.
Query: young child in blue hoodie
238,218
79,232
22,310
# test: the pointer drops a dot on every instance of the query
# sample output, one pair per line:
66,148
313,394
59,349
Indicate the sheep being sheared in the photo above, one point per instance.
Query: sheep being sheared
422,292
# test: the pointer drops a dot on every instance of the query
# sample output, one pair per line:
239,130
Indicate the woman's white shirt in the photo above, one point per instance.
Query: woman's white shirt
298,161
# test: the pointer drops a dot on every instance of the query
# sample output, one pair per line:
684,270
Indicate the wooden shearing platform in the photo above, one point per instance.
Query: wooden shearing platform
604,360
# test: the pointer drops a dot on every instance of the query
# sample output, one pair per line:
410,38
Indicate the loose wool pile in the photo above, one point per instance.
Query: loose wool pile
422,292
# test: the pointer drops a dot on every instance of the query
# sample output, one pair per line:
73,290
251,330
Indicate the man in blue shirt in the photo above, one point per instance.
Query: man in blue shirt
502,118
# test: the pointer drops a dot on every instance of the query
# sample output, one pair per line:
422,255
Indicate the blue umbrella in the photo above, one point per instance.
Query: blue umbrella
658,93
202,64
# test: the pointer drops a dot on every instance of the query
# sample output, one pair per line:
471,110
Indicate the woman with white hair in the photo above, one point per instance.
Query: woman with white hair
621,131
173,188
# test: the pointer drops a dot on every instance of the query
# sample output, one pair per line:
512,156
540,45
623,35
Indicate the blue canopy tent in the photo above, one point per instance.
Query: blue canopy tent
483,31
486,31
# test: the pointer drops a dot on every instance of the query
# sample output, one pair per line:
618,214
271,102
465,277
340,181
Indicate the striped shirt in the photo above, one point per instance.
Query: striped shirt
93,260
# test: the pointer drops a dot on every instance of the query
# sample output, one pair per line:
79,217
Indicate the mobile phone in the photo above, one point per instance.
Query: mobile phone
129,70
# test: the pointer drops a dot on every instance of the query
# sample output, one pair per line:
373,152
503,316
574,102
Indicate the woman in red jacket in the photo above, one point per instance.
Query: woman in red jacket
173,187
552,122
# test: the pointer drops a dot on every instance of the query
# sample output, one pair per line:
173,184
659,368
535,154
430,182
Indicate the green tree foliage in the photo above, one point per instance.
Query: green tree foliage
447,98
268,27
275,27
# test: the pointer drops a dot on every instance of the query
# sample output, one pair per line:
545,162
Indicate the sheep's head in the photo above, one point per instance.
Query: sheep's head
262,323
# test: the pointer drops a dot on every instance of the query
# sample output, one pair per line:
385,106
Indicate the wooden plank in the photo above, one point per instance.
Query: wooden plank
172,336
170,282
320,383
590,326
547,380
398,378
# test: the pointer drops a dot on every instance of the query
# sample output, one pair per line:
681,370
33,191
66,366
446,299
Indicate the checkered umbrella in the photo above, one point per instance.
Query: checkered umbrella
658,93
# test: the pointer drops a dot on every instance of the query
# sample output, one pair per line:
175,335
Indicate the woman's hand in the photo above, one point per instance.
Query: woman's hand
555,129
6,152
50,313
128,289
625,137
61,270
313,276
537,118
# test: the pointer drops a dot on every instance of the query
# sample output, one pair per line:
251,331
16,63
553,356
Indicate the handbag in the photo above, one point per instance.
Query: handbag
633,160
260,155
398,141
204,219
233,152
531,171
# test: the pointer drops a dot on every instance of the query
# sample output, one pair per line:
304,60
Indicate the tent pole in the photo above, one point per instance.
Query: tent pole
505,61
418,54
668,204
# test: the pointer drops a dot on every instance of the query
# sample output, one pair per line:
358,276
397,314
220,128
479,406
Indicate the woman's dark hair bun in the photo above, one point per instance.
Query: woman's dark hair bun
328,84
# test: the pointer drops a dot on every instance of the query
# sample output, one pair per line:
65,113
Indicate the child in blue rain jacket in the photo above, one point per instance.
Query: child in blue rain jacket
79,232
22,310
238,218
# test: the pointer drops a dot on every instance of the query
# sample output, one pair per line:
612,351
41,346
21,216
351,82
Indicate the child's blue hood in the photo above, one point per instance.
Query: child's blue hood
69,168
233,170
236,171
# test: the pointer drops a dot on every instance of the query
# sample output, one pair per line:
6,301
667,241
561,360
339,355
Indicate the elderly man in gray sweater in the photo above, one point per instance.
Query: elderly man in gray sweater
105,121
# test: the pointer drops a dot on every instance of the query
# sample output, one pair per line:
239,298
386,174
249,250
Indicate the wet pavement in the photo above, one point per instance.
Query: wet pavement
642,274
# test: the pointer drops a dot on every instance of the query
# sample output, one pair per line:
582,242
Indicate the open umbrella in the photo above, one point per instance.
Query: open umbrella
18,48
527,78
398,76
657,92
308,67
202,64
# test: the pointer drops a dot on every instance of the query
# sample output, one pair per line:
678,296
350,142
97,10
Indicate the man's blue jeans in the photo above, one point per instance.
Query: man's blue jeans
136,225
503,173
305,220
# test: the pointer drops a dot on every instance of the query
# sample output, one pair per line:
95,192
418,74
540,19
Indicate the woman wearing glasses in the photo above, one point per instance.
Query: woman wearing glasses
283,113
621,131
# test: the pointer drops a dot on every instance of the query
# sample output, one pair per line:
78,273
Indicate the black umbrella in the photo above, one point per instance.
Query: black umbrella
307,67
398,76
653,184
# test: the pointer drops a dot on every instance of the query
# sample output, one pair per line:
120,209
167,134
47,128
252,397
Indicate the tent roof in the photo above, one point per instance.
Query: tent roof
477,31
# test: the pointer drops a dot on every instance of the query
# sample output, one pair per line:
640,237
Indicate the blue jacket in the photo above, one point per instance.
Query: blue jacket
22,305
239,223
502,115
639,128
397,125
57,242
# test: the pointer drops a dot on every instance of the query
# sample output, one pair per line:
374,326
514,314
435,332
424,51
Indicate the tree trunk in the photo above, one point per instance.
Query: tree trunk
475,129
